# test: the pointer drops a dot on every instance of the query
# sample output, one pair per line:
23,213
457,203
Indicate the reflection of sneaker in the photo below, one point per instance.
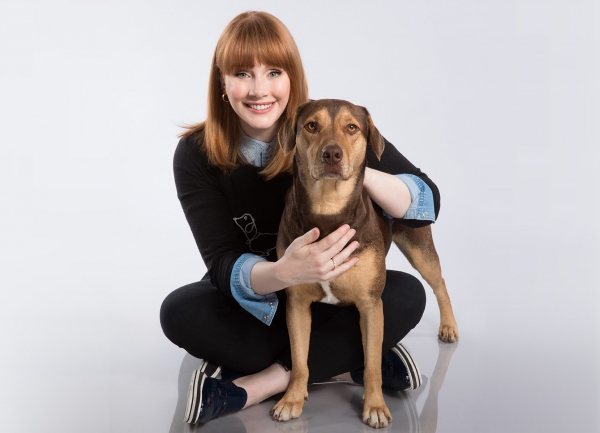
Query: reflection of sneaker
209,398
399,370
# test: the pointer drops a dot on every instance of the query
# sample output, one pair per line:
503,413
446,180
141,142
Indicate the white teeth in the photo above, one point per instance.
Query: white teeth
260,107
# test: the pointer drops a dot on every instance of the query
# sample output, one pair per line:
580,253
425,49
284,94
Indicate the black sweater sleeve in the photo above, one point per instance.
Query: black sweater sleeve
206,210
393,162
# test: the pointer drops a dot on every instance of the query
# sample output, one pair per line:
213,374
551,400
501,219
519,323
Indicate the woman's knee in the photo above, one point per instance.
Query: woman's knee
170,316
179,309
404,302
404,291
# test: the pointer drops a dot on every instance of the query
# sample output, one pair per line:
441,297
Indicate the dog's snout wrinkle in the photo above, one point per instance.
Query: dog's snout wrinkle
332,154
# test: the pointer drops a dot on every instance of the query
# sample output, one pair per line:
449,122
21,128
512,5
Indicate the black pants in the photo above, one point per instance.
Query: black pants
201,320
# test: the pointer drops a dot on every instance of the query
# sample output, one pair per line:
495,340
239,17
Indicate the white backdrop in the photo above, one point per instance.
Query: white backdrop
498,102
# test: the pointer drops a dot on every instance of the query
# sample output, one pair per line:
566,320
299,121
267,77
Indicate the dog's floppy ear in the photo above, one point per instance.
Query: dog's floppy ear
374,138
287,133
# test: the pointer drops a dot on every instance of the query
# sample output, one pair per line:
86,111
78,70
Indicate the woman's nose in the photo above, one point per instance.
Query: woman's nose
259,87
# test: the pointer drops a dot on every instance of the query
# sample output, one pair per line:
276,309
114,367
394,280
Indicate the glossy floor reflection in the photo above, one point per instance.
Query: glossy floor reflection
334,407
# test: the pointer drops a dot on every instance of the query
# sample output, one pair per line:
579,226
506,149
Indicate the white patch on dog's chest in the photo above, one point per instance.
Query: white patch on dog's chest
329,297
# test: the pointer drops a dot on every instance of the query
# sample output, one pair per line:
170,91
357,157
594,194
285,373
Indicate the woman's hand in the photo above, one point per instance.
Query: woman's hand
307,261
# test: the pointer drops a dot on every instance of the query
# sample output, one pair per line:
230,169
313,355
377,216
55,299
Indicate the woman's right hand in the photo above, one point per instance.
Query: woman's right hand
308,261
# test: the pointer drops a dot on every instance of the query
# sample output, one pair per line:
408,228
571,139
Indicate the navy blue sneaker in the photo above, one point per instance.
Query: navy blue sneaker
229,375
209,369
210,398
399,371
218,372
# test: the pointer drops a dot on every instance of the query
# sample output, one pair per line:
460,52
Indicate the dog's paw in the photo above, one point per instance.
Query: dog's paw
289,407
448,332
376,415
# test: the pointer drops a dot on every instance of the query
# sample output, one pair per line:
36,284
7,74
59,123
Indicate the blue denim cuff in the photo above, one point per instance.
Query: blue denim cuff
421,205
263,307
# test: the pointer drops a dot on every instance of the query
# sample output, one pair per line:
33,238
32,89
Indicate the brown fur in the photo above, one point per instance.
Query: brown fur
327,196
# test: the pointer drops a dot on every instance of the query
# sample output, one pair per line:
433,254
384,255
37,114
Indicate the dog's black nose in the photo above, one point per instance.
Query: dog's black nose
332,154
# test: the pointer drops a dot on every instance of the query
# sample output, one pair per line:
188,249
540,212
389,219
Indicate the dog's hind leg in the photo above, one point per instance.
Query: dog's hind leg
417,245
298,316
375,411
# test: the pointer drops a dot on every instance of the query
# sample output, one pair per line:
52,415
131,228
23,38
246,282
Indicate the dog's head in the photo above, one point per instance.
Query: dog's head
330,138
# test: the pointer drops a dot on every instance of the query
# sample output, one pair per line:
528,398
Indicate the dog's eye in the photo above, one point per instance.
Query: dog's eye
352,127
311,126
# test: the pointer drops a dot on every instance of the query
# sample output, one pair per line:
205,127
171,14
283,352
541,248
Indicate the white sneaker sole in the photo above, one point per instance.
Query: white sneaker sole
414,374
194,395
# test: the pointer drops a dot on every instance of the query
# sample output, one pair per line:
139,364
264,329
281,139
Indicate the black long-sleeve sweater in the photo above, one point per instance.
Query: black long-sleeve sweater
239,212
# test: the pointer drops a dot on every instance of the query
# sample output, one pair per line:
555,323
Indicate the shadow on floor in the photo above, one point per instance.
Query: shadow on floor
327,409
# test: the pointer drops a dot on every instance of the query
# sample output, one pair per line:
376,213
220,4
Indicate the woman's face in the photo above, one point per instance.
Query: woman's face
259,97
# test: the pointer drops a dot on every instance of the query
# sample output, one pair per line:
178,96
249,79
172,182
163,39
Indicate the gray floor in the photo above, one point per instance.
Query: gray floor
497,101
332,407
475,385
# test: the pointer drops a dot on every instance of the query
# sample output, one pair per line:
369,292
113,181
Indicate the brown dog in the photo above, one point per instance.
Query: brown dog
330,139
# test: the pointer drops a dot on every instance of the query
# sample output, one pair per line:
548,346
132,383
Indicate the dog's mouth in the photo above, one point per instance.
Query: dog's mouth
331,170
327,171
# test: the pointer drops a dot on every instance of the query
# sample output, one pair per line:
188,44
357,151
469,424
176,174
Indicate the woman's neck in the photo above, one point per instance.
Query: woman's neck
264,135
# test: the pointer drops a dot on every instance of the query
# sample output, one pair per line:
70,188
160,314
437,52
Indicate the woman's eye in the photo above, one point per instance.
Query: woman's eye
311,126
274,74
242,74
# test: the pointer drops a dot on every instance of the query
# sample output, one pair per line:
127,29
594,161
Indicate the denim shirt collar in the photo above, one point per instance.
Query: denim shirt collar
256,152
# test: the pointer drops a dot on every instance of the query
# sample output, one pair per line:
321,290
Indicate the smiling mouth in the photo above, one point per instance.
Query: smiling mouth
260,107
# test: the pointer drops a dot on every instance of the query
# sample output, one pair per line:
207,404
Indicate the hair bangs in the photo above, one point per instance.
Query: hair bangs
252,45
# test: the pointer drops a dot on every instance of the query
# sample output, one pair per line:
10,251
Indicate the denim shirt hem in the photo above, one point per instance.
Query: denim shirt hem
421,206
263,307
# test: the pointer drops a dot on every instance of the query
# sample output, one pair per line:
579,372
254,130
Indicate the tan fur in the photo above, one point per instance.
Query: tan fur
349,287
308,148
417,245
329,197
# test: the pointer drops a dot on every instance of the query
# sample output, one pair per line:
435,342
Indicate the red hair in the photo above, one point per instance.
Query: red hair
251,38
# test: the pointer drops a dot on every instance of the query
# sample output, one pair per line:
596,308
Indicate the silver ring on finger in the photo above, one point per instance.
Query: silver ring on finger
334,264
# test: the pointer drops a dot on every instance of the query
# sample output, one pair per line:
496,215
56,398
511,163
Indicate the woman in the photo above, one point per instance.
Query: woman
231,179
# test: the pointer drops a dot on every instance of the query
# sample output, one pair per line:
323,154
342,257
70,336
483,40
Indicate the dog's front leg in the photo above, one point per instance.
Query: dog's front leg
298,317
375,411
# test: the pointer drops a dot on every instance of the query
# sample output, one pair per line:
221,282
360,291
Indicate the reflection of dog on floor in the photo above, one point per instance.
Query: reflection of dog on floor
330,139
257,242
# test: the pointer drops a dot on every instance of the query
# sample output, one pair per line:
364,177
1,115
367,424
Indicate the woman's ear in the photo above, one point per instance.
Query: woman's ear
375,139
